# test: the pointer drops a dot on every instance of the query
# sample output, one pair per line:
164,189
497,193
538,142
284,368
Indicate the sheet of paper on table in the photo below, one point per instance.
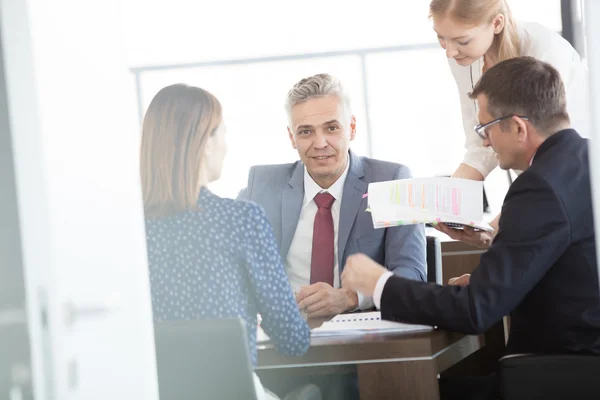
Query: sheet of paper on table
355,323
360,323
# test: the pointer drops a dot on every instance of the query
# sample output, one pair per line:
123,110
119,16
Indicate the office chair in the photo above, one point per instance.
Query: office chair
209,359
203,359
434,260
547,377
306,392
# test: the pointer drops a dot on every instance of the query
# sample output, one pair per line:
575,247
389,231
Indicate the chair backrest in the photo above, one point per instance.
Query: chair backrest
550,377
203,359
434,260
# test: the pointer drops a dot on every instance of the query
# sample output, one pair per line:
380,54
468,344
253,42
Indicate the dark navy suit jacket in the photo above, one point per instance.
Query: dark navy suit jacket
541,268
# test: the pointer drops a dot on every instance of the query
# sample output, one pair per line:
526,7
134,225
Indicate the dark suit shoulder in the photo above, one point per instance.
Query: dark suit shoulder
562,156
564,166
531,207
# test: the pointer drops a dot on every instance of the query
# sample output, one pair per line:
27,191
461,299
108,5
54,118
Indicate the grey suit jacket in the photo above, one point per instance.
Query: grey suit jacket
279,189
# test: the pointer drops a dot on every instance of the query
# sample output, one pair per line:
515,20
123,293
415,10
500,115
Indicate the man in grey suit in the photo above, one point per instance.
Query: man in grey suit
317,208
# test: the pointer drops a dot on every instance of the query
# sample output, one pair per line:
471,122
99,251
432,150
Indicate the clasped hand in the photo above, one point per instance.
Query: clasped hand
322,300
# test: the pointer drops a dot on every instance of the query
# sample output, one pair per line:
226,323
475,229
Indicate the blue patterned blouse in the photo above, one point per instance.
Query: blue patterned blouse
220,261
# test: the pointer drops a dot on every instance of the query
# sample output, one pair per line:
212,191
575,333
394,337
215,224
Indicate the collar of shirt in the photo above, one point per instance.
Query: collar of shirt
530,161
311,188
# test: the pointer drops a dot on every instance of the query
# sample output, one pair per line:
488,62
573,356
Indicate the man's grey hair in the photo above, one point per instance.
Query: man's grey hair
320,85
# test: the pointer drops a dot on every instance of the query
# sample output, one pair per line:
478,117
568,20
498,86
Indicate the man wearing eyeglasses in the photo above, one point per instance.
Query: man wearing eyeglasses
541,267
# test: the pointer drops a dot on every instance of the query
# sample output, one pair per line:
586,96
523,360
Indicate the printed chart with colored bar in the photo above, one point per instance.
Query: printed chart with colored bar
455,201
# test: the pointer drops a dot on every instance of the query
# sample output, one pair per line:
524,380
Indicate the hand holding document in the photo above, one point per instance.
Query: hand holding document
471,236
455,202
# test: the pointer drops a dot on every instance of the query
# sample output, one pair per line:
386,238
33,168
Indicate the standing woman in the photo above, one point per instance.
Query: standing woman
477,34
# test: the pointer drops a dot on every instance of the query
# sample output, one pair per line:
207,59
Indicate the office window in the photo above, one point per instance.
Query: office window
249,54
541,11
253,96
183,31
414,109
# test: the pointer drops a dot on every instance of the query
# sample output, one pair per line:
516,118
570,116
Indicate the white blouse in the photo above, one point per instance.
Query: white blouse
546,45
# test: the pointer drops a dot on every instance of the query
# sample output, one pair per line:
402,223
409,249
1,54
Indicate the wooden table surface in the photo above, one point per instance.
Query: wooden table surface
370,347
388,364
403,365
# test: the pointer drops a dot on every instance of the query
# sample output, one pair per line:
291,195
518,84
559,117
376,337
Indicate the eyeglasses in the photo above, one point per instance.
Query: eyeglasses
481,129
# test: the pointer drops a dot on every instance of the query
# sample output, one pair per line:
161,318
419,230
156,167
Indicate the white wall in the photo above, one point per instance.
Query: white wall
75,145
400,117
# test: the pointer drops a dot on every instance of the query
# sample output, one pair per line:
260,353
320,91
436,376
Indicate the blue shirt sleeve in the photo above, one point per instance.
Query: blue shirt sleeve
406,246
281,318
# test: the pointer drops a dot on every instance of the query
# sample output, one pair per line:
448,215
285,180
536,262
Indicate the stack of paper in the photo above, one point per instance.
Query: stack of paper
364,323
454,201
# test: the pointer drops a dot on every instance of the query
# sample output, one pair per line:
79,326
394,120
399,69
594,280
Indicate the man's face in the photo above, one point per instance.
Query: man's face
505,142
321,130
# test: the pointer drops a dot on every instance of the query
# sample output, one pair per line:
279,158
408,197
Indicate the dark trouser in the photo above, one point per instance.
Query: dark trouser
470,388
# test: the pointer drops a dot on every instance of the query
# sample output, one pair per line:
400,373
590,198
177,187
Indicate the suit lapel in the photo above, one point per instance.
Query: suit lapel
291,205
354,189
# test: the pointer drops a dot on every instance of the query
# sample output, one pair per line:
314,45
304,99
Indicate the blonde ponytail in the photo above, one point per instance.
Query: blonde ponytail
509,42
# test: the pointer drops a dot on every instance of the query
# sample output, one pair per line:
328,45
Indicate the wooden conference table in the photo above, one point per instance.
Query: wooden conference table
401,365
389,365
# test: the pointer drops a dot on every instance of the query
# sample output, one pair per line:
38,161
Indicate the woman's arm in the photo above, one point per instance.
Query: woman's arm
477,157
270,287
466,172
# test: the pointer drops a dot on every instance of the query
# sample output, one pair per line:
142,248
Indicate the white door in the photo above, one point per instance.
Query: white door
75,146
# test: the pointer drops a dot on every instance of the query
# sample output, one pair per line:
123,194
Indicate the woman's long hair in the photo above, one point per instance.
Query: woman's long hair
176,126
477,12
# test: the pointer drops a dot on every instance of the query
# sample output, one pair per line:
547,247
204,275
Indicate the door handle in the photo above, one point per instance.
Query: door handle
73,312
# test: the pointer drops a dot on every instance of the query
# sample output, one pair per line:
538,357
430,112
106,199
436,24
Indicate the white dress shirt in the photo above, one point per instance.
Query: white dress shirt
298,259
378,292
546,45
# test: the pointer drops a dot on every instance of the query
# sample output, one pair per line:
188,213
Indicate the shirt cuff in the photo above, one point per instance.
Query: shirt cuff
379,288
364,302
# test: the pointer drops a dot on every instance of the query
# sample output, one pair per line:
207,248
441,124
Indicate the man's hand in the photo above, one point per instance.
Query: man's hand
361,274
461,281
322,300
480,239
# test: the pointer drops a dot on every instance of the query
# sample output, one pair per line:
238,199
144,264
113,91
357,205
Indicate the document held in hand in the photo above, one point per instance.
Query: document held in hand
453,201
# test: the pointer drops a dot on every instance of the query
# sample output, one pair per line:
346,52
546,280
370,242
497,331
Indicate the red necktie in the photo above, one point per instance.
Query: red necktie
322,259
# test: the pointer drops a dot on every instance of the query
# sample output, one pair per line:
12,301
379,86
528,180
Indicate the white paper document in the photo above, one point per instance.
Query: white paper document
359,323
454,201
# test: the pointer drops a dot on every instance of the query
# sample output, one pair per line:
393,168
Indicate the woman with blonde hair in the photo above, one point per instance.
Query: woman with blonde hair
209,257
478,34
